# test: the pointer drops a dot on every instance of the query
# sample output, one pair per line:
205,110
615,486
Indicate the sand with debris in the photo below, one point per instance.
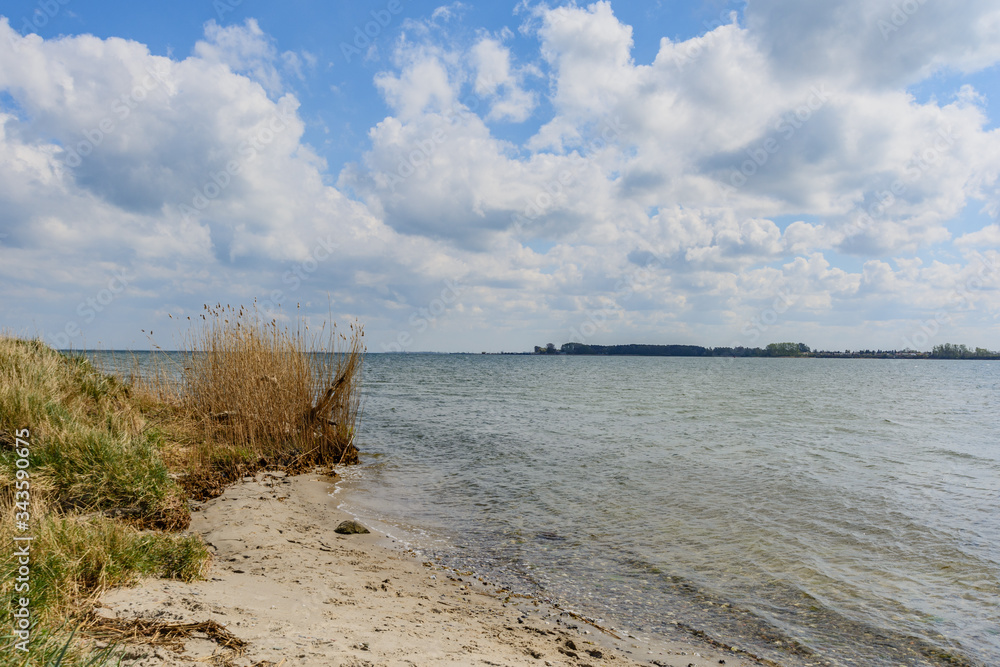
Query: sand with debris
282,580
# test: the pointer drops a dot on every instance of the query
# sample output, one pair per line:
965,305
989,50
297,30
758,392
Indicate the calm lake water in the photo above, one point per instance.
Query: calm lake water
847,505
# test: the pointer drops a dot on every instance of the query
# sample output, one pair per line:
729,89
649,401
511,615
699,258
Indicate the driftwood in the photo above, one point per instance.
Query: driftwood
223,417
314,415
317,413
316,426
158,633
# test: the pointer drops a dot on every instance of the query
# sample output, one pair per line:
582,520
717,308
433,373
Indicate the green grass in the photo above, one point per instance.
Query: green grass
109,471
74,559
91,451
54,648
106,457
97,478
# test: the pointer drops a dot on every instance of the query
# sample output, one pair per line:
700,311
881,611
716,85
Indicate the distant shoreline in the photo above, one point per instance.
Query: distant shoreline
710,353
772,351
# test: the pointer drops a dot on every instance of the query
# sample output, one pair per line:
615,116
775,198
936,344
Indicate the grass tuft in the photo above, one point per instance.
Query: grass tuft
266,395
56,648
74,560
113,461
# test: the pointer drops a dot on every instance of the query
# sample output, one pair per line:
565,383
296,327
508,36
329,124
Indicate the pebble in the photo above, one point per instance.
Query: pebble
350,527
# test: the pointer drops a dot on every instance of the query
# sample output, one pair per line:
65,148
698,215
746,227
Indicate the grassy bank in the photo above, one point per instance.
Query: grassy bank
97,471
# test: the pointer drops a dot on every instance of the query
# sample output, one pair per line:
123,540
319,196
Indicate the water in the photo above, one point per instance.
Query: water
844,507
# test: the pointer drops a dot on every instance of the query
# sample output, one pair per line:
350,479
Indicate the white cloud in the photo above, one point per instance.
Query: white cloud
728,174
875,43
447,12
706,110
425,83
243,48
988,237
496,80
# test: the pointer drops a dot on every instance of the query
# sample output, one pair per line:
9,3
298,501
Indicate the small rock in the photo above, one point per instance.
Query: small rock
351,528
570,645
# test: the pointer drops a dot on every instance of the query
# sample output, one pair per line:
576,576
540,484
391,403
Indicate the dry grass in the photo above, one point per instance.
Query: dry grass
92,448
95,478
76,558
252,393
111,459
137,630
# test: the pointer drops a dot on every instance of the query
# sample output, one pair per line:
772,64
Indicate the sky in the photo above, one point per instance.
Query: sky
474,177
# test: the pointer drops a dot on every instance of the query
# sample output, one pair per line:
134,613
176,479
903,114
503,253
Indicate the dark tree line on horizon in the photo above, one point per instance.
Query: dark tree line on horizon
944,351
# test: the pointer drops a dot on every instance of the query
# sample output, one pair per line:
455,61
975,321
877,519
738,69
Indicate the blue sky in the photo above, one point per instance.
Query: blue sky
491,176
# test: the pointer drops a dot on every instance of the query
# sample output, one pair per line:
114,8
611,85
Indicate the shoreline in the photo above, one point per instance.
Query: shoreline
282,580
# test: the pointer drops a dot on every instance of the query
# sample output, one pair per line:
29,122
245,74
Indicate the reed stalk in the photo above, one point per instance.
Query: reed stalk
267,394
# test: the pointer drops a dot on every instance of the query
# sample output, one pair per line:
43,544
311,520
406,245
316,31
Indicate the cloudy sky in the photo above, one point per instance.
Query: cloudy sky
492,176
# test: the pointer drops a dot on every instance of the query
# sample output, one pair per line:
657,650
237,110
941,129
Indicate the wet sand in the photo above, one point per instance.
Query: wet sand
301,594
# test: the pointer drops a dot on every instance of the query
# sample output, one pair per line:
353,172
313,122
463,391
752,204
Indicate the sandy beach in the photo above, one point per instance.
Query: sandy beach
284,581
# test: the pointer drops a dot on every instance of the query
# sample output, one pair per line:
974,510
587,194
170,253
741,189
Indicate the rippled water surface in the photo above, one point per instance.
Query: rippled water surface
811,511
847,505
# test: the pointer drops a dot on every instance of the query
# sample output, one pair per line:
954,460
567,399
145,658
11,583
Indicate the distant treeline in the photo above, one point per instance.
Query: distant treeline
945,351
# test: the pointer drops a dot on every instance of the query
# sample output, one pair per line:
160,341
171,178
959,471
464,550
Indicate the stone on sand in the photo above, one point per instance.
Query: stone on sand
351,528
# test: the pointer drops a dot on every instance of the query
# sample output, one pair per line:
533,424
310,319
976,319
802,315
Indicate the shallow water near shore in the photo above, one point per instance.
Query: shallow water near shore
810,511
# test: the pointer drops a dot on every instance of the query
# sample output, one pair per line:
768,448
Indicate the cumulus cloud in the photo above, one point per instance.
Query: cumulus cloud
424,83
715,137
179,172
496,80
674,198
876,44
244,49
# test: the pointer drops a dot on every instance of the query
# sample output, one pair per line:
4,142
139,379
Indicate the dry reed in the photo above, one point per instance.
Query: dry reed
266,394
